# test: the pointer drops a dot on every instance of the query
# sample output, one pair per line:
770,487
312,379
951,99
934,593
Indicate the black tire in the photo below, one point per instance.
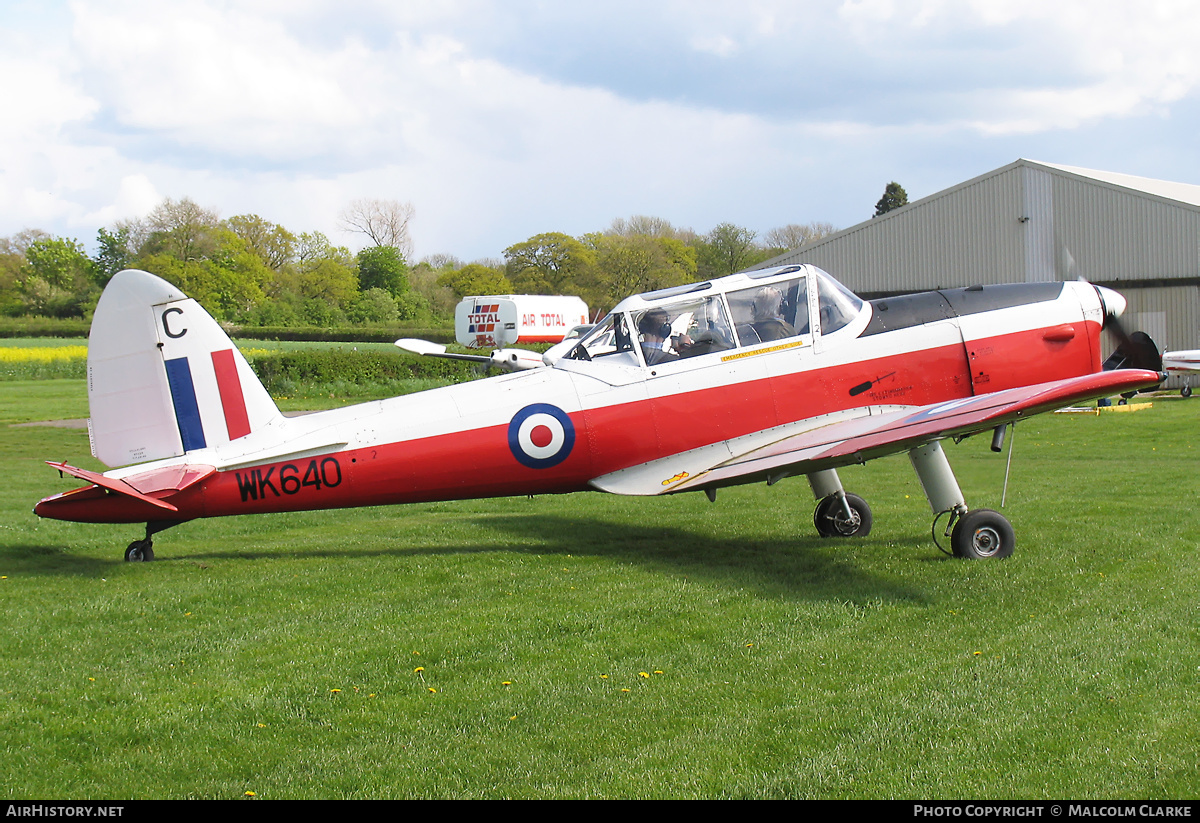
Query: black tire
831,521
983,534
139,551
1186,391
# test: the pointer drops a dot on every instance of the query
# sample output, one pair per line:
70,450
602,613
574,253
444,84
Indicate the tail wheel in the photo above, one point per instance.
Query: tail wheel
982,533
139,551
831,518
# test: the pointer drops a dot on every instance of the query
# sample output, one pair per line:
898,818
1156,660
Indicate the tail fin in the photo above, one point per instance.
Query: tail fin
163,378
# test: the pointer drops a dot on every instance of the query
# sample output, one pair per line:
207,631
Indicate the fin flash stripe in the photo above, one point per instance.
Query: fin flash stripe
187,410
237,422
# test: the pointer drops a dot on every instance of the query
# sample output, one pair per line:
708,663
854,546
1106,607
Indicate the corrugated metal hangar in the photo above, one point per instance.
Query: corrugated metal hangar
1036,222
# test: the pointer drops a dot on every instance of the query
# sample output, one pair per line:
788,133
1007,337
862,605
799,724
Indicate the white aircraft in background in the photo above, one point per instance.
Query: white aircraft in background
1182,362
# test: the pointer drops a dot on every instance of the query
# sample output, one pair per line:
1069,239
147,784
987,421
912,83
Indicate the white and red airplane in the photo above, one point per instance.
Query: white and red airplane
1185,363
753,377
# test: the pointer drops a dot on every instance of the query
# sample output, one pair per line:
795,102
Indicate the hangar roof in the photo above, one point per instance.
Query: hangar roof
1181,192
1027,221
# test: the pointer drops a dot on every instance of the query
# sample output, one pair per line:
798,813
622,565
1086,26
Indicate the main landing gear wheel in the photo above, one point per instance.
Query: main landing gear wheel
982,533
831,520
139,551
1186,391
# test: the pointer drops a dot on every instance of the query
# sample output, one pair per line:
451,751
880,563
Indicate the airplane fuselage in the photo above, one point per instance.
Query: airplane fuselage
557,429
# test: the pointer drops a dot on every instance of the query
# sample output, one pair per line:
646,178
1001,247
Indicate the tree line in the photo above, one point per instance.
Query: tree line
249,271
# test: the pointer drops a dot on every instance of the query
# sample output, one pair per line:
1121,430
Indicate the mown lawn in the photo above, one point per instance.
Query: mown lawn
595,646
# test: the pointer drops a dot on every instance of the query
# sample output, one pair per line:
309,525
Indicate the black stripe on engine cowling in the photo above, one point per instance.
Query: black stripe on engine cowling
907,310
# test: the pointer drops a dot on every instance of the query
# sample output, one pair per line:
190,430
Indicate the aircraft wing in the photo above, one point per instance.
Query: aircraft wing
858,435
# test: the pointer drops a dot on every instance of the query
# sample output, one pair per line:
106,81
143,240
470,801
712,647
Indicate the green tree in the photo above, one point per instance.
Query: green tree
727,249
273,244
58,279
893,198
423,279
373,307
633,263
113,254
327,279
313,247
550,263
383,267
230,282
475,279
179,228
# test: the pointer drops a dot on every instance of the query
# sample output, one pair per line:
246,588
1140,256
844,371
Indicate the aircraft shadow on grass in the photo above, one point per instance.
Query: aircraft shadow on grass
807,568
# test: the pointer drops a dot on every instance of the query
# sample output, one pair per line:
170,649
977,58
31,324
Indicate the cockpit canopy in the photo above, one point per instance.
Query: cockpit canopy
738,311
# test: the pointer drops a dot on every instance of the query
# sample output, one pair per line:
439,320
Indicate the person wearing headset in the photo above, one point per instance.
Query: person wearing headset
655,328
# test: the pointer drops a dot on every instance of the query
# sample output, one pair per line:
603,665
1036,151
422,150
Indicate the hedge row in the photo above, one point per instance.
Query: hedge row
339,335
281,372
42,327
58,327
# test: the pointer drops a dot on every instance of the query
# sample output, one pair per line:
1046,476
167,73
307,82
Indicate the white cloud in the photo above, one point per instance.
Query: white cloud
219,78
697,112
720,45
1099,60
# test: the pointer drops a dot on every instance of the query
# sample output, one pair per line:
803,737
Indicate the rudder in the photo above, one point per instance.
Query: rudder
163,378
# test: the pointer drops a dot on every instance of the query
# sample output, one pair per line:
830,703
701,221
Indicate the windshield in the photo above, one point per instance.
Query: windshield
838,305
610,336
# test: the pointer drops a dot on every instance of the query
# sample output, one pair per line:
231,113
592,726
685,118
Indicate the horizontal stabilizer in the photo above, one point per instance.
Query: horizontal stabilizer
140,486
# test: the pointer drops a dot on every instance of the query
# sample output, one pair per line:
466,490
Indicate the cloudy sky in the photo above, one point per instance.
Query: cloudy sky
500,119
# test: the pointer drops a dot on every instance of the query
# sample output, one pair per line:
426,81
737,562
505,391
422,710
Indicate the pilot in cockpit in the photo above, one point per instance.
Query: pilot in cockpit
657,343
768,315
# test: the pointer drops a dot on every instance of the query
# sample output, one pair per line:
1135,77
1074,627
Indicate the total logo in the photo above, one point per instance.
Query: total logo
541,435
483,318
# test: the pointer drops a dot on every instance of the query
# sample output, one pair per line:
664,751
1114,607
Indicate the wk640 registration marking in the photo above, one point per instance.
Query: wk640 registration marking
255,483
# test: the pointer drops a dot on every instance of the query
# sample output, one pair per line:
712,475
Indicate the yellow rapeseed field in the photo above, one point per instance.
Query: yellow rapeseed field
42,354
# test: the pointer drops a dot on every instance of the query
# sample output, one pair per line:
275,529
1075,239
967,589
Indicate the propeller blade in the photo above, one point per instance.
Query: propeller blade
428,349
510,359
1135,350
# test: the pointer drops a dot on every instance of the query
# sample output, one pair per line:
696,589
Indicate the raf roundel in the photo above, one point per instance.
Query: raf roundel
541,436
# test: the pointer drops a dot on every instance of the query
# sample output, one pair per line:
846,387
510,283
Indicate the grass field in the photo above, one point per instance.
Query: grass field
596,646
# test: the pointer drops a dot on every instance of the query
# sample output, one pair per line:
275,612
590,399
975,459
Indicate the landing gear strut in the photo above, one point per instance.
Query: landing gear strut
142,551
974,535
